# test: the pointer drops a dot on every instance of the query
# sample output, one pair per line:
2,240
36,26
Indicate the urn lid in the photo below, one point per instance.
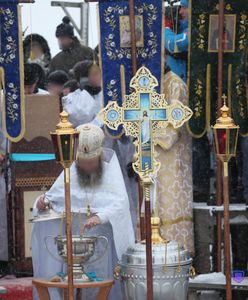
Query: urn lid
169,253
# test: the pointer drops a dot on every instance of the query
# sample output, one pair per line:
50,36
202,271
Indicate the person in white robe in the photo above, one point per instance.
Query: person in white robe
83,106
97,186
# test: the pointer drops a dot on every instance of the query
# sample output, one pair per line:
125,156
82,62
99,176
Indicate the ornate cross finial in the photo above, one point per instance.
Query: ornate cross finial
143,114
224,97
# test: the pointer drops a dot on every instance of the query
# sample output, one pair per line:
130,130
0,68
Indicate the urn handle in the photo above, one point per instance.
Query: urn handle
47,248
117,272
192,272
105,249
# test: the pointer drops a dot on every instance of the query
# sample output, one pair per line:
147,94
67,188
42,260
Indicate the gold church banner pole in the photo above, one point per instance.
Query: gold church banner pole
146,187
133,36
65,140
149,272
219,104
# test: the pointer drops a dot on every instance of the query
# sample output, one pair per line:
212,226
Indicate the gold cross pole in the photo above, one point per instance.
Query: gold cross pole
144,113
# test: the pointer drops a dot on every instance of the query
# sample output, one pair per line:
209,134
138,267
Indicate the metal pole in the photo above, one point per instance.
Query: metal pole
81,22
133,36
227,240
219,166
68,233
149,271
71,18
220,54
134,70
84,23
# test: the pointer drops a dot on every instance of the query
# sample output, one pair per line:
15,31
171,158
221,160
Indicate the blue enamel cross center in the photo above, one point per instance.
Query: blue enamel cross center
145,113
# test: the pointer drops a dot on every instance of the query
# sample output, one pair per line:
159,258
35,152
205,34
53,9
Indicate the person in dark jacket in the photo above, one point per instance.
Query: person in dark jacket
71,49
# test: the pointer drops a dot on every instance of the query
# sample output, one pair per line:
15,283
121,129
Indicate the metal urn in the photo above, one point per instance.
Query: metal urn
83,248
171,270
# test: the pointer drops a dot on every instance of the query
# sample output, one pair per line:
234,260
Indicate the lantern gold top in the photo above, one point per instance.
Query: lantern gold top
64,126
225,121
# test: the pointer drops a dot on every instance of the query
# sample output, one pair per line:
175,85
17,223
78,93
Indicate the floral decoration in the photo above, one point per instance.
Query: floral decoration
12,106
201,22
112,91
242,31
198,88
10,46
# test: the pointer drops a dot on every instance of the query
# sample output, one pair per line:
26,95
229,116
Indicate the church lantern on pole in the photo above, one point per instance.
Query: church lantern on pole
65,141
225,145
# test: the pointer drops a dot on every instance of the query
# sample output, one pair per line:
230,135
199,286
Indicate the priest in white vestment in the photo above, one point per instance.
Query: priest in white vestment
97,186
175,187
83,105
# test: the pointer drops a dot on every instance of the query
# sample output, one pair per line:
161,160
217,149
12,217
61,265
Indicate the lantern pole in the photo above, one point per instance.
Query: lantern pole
65,143
227,240
68,233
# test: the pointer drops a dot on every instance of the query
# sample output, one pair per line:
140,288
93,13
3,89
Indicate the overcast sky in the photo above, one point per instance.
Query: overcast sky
40,17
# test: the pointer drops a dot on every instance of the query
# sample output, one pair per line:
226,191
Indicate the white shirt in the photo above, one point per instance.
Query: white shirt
82,107
42,92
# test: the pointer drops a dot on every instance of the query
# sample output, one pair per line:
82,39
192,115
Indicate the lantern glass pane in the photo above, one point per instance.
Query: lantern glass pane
216,149
75,145
66,146
222,140
54,138
233,138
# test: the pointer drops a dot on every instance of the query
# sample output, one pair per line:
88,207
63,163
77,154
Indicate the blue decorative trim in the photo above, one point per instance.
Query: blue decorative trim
11,64
29,157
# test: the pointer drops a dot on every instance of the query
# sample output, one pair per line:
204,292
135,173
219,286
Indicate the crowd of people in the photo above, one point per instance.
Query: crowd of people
71,74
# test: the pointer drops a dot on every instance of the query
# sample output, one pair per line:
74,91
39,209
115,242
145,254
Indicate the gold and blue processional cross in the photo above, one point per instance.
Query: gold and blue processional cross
144,114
